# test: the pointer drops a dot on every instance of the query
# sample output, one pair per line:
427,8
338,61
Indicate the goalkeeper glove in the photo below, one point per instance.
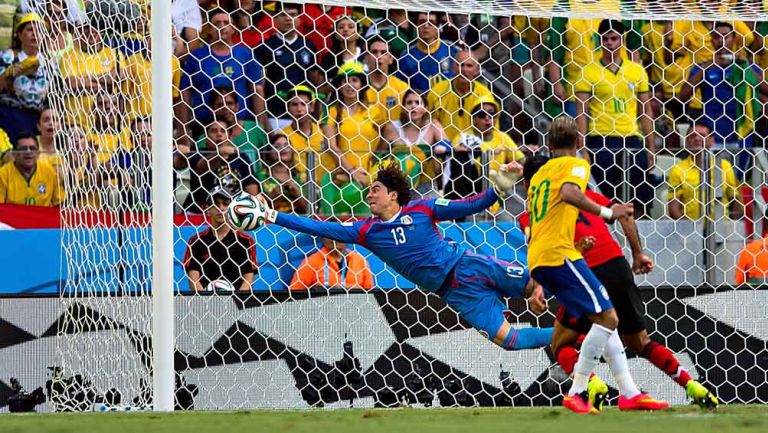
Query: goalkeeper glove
506,178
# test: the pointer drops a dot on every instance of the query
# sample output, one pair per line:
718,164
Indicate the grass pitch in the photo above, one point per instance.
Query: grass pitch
742,419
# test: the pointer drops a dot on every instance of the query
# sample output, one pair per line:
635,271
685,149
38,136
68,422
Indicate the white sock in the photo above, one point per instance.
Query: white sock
591,349
617,361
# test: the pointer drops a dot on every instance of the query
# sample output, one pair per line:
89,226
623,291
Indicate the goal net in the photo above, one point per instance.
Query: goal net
304,102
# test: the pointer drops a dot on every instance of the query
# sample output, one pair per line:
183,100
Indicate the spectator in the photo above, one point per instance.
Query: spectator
221,166
384,90
219,252
289,60
464,169
448,99
574,43
187,23
353,125
90,67
685,190
698,34
29,181
613,97
346,46
254,24
727,89
23,80
49,128
395,28
306,136
138,85
279,176
318,24
6,148
428,58
109,130
134,167
420,136
221,63
246,135
752,264
333,266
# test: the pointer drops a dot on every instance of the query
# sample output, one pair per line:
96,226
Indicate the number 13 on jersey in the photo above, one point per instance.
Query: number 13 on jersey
398,234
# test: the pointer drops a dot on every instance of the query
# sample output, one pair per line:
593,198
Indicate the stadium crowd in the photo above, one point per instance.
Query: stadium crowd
304,101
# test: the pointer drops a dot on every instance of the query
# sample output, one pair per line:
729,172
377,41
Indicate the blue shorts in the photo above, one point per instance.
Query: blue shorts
476,286
575,287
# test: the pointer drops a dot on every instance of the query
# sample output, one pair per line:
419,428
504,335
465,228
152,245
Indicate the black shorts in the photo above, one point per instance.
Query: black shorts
616,275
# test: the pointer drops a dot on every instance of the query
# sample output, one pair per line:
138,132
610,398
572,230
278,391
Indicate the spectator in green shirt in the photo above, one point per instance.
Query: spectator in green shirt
246,135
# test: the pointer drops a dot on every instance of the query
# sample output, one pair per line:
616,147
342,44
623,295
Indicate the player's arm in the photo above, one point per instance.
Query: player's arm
641,263
194,280
336,231
572,194
247,282
455,209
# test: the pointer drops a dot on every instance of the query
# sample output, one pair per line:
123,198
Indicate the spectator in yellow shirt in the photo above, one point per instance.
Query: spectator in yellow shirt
88,68
612,99
448,99
685,191
384,89
29,181
5,148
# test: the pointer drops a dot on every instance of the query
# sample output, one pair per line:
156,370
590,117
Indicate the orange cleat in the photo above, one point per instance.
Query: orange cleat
641,402
579,403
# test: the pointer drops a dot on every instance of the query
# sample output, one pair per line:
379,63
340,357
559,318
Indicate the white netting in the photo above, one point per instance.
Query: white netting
482,96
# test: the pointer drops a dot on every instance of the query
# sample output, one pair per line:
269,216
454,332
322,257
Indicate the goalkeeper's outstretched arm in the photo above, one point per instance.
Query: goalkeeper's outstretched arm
454,209
336,231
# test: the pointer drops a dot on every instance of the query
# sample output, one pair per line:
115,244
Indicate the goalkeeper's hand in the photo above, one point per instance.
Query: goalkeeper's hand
269,214
506,178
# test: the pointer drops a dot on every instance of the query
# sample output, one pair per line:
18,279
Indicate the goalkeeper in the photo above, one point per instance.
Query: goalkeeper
404,235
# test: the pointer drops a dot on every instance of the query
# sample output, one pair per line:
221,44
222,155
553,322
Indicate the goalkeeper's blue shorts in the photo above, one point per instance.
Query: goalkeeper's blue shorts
476,286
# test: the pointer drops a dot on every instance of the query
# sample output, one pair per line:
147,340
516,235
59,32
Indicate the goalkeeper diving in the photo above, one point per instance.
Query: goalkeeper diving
403,234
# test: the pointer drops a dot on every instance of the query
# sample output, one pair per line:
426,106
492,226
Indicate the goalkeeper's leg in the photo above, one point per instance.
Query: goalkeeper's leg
474,290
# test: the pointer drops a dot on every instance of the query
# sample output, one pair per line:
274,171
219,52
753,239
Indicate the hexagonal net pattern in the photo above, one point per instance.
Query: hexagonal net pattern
313,104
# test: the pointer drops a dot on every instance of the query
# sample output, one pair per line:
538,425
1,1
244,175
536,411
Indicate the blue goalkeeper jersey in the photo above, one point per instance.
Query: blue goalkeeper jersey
410,242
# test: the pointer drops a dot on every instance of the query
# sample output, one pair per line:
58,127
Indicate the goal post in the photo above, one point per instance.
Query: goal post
163,312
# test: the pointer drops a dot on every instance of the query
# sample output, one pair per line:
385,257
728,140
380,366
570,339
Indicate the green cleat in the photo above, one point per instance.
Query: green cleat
598,391
701,395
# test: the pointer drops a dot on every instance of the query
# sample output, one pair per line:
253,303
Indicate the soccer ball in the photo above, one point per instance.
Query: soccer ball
246,212
220,286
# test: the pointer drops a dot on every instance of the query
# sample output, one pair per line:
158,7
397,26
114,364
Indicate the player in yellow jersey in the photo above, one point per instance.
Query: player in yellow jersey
555,197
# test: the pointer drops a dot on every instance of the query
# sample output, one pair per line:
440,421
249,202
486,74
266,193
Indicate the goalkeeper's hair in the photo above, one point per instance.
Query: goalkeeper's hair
392,177
532,165
563,133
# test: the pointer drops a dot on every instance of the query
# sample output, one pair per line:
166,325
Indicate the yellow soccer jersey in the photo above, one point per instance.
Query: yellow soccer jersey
698,38
684,180
138,85
389,98
107,144
42,189
553,222
449,108
670,75
613,107
303,145
357,135
76,63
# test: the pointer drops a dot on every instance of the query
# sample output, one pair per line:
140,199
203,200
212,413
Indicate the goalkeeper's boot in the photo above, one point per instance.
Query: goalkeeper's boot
641,402
579,403
598,391
701,395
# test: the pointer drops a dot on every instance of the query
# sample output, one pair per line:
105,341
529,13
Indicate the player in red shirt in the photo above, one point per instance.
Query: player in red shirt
606,259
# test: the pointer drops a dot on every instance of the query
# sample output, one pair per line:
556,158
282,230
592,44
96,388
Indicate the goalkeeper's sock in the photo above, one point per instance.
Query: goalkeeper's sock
527,338
660,356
